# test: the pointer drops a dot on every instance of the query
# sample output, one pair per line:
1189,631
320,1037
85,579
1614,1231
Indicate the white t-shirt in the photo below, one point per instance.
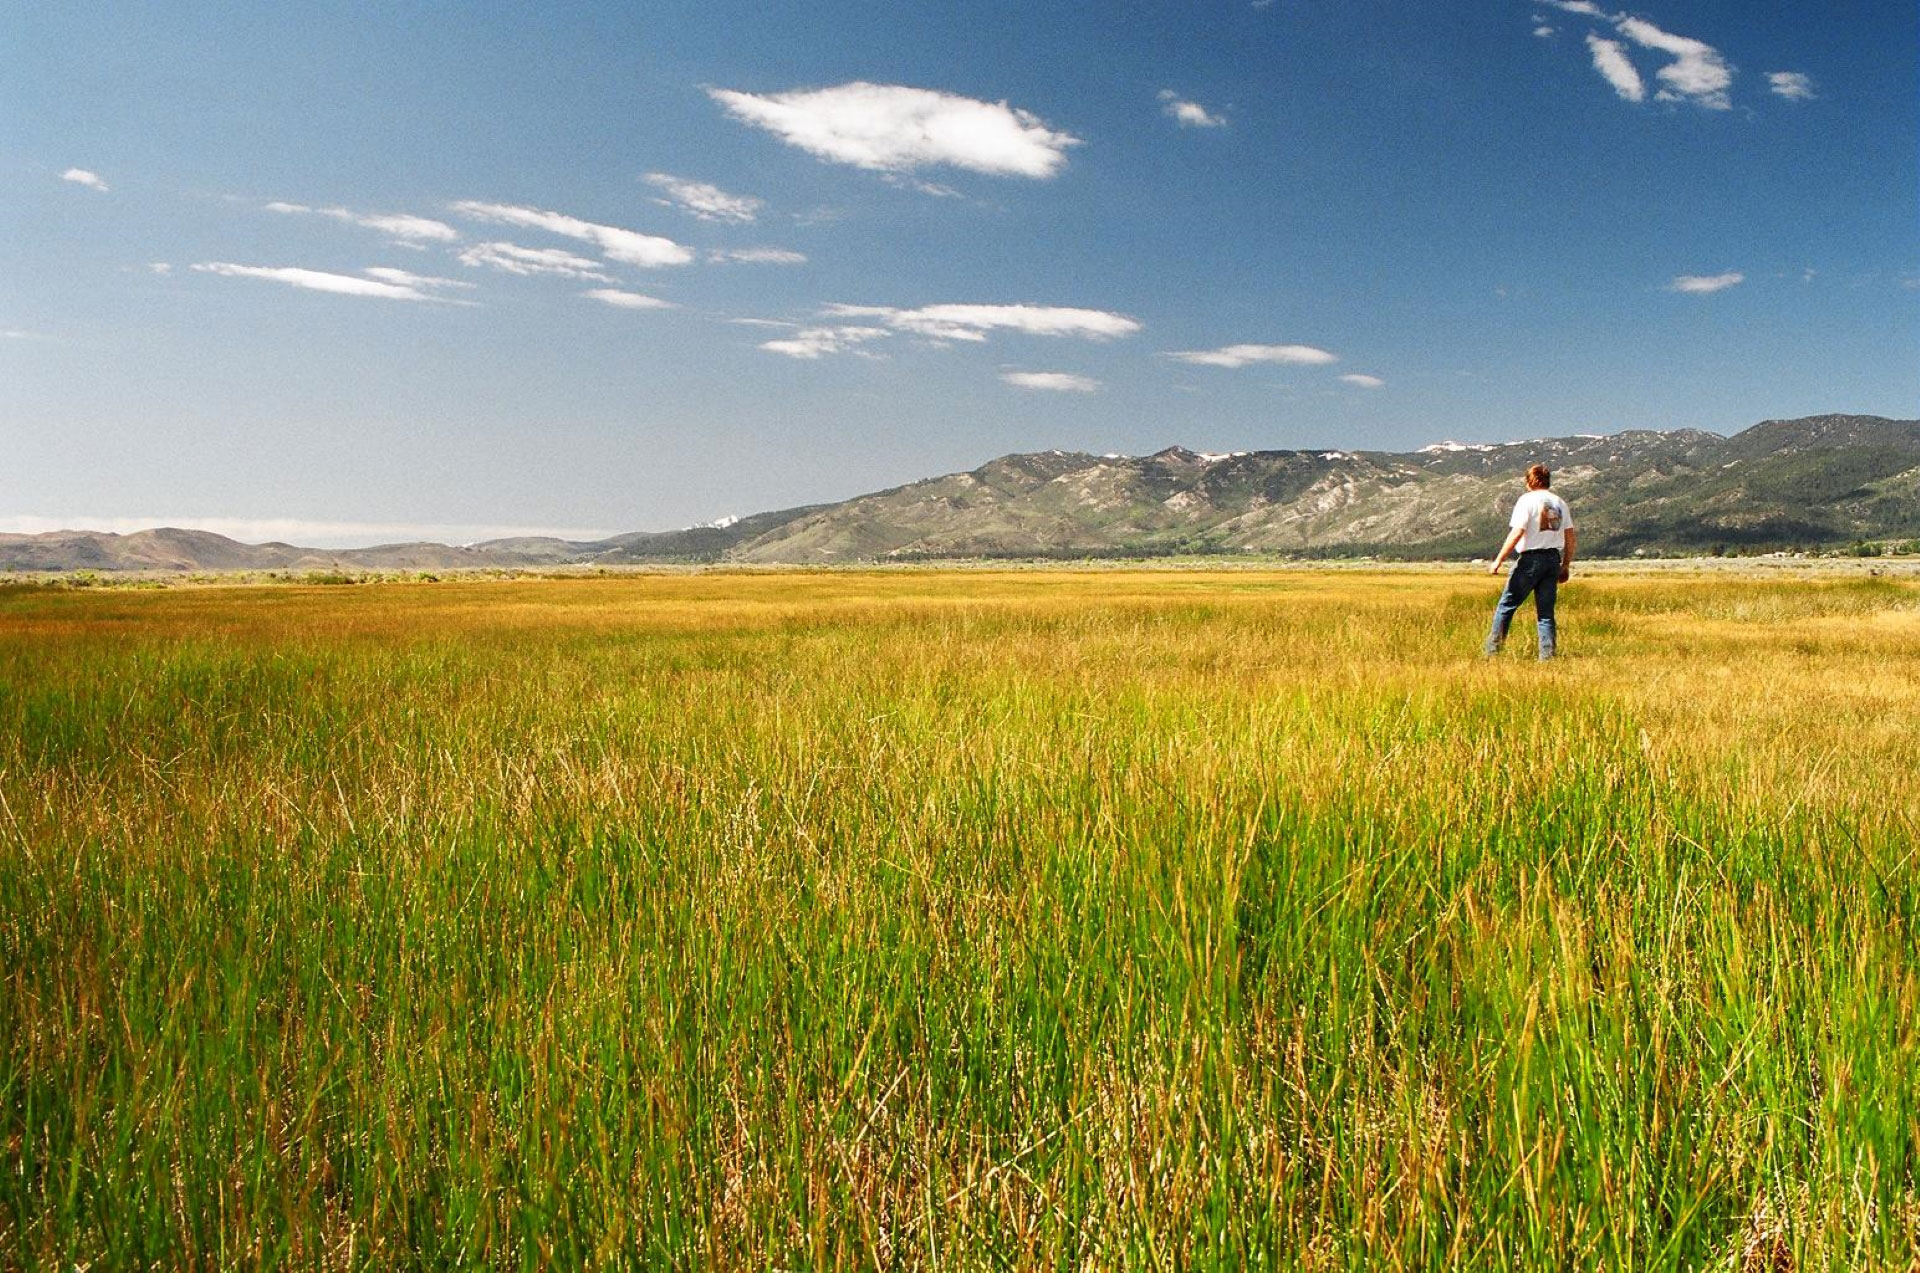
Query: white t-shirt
1547,520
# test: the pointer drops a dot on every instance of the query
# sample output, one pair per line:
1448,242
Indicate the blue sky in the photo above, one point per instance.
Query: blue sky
342,274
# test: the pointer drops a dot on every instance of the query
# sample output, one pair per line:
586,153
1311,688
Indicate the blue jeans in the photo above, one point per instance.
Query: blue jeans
1536,572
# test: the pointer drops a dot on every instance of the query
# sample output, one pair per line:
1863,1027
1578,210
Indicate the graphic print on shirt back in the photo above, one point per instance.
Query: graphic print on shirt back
1549,517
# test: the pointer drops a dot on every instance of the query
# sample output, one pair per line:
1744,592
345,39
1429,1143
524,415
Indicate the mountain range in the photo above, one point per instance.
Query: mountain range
1810,483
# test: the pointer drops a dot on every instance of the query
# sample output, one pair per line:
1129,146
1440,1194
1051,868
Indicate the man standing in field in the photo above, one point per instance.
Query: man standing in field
1543,532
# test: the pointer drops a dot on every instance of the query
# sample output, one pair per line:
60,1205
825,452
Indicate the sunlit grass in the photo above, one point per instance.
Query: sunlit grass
1031,919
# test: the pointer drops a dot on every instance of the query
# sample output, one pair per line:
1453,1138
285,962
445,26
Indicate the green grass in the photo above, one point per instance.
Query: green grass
961,920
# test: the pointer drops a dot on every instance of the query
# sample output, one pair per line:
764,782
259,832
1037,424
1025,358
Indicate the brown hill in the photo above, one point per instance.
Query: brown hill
1816,482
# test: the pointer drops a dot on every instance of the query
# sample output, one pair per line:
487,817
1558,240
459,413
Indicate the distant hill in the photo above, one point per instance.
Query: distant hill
172,549
1820,481
1815,482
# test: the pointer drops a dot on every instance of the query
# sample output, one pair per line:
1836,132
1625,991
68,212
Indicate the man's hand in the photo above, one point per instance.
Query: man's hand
1511,542
1566,573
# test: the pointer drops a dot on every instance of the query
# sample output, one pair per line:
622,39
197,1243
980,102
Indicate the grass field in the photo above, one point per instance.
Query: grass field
1046,919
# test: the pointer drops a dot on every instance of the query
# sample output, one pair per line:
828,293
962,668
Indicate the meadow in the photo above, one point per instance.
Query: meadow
1047,919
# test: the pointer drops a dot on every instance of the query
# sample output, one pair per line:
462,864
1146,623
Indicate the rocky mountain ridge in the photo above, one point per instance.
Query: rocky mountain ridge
1815,482
1821,481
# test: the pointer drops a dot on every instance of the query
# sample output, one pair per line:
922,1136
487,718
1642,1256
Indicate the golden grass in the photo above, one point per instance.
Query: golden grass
960,919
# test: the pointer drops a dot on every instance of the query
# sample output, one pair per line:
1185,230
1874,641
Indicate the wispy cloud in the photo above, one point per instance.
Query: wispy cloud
1697,74
1188,114
316,280
407,278
942,323
1696,71
973,322
629,247
1051,381
1795,86
81,177
757,256
1610,59
1363,381
398,225
1703,284
626,300
709,203
511,258
818,342
1235,356
404,226
1543,31
896,129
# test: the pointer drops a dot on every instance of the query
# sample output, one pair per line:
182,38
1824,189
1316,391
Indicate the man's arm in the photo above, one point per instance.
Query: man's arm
1513,541
1566,555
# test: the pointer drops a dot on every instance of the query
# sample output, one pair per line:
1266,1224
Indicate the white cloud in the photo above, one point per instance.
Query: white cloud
709,203
973,322
81,177
757,256
893,128
969,323
629,247
1234,356
399,225
406,278
1610,59
18,333
1544,31
1189,114
160,267
626,300
1054,381
1364,381
315,280
1702,284
1697,74
381,283
1795,86
818,342
511,258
